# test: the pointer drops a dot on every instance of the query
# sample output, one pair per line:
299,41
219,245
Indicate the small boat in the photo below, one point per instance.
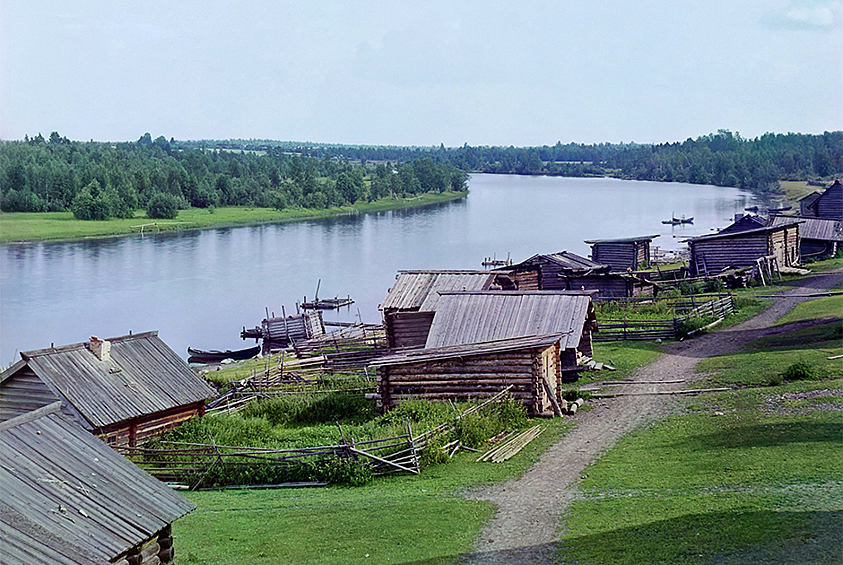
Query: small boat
676,221
325,303
493,261
215,356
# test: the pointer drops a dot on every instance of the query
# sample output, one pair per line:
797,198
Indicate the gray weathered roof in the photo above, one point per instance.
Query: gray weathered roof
143,376
564,259
745,223
466,350
825,229
624,239
68,498
476,317
763,229
418,290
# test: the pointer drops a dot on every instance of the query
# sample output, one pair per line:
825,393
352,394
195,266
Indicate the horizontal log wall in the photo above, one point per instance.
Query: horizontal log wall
408,329
22,393
711,257
465,379
621,256
527,279
136,431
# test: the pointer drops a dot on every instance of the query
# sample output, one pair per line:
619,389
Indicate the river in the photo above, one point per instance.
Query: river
200,288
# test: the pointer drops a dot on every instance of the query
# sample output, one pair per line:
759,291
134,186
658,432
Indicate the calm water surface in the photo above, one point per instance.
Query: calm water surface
201,288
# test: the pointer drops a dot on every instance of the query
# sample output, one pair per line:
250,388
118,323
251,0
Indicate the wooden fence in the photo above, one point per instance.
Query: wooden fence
685,308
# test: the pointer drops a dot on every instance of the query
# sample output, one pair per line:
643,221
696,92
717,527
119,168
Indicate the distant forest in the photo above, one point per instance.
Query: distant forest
99,180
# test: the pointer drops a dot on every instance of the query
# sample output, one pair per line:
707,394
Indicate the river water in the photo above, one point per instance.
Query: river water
200,288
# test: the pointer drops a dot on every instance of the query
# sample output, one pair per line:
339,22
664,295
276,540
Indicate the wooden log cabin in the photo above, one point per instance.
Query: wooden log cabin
411,302
530,364
123,389
475,336
731,248
631,253
819,238
569,271
68,499
828,205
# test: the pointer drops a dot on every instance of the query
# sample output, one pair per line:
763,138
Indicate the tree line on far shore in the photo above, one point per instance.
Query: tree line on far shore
98,180
111,180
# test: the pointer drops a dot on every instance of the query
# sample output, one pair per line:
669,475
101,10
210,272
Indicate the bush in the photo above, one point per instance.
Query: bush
692,324
22,201
95,202
162,206
800,371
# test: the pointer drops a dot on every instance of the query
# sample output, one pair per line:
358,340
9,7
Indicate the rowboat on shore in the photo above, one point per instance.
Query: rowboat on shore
215,356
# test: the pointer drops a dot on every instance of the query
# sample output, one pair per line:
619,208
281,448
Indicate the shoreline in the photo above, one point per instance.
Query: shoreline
59,226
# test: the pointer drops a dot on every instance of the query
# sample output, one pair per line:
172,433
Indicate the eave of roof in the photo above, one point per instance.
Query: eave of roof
624,239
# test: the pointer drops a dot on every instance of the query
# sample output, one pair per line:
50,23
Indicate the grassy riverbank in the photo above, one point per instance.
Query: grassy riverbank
39,226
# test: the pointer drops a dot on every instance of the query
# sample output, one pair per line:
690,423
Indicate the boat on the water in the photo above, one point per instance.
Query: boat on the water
676,221
215,356
325,303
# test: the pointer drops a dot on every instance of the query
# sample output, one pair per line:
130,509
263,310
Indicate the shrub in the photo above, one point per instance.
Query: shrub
775,380
692,324
801,370
162,206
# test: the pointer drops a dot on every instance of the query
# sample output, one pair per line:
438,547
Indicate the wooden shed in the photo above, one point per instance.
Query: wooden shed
712,254
818,237
68,499
463,318
122,389
461,372
828,205
411,302
622,254
569,271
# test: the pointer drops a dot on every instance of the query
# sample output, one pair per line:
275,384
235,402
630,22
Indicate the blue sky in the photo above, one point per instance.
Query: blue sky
384,72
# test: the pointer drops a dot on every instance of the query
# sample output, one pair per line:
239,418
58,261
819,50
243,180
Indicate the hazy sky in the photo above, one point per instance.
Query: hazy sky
486,72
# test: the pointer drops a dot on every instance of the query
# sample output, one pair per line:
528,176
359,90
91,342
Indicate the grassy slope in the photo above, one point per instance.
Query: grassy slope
21,226
397,519
748,476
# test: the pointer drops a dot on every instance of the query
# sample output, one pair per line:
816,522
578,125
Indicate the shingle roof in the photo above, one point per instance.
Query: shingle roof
564,259
722,235
624,239
419,290
143,376
476,317
68,498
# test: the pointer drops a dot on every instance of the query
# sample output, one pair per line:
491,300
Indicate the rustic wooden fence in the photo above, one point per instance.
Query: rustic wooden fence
685,308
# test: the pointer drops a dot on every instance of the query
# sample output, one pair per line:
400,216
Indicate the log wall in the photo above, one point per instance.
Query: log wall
407,329
137,430
621,256
474,377
527,279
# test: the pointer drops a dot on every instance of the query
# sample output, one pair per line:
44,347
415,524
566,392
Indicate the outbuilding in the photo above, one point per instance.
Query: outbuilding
123,389
411,302
68,499
739,248
827,205
630,253
818,237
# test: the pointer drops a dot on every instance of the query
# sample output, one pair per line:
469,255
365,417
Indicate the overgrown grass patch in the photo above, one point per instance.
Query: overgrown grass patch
625,356
395,519
815,309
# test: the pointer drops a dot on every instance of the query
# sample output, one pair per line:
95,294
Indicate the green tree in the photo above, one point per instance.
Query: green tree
163,206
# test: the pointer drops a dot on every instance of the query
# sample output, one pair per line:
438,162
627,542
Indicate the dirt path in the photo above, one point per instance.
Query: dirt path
529,509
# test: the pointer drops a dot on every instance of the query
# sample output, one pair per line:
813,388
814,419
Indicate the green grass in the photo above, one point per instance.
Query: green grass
398,519
625,356
32,226
829,307
752,475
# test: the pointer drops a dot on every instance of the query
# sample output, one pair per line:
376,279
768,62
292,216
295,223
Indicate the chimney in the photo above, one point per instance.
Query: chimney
101,348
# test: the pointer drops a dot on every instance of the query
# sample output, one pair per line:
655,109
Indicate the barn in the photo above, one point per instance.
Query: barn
123,389
569,271
738,248
481,341
818,237
68,499
631,253
828,205
411,302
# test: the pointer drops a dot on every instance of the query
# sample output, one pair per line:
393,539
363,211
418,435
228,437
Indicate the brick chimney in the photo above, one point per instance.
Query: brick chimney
101,348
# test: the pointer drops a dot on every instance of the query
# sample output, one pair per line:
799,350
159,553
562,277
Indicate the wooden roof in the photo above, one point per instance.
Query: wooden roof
143,376
413,356
825,229
477,317
419,290
749,222
68,498
563,259
637,239
723,234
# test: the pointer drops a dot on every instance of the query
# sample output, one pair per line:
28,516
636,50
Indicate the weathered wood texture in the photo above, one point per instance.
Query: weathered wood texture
713,254
819,237
829,204
69,499
622,254
408,329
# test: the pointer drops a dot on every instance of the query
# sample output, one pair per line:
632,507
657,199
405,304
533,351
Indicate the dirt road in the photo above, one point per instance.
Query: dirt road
529,509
